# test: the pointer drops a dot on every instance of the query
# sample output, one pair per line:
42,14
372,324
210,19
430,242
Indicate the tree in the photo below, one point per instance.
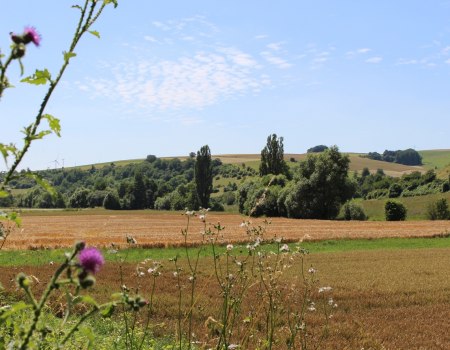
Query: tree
317,149
203,176
272,157
139,195
322,186
395,211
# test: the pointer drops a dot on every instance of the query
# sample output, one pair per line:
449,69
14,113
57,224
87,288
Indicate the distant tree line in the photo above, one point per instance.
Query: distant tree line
406,157
319,187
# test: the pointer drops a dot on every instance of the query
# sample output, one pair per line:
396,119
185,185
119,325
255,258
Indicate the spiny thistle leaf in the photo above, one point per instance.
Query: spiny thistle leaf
95,33
54,124
40,77
42,182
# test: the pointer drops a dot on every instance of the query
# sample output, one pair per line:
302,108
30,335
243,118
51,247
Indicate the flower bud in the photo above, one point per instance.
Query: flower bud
87,282
18,51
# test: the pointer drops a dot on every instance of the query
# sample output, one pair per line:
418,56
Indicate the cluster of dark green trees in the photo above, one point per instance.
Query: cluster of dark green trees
407,157
315,188
166,184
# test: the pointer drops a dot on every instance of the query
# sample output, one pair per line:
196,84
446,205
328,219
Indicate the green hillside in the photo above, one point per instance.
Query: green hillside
435,159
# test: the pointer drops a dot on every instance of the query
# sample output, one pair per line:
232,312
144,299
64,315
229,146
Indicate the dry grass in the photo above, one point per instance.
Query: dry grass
387,299
164,229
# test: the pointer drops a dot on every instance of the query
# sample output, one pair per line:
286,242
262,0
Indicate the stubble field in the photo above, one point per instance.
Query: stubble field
387,299
152,229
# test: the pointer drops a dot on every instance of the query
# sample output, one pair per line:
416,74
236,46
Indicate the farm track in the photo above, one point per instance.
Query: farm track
53,231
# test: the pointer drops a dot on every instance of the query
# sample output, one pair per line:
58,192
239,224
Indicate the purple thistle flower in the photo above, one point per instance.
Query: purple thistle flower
31,35
91,259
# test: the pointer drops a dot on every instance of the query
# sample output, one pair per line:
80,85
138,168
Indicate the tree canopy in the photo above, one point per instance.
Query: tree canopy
203,176
272,157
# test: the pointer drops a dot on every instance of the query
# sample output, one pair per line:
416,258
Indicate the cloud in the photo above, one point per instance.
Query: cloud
188,82
277,61
275,46
375,59
261,36
363,50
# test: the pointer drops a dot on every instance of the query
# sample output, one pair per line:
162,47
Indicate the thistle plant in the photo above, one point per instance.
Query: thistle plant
90,11
74,276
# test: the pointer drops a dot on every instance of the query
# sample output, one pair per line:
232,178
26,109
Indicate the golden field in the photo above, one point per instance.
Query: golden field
57,229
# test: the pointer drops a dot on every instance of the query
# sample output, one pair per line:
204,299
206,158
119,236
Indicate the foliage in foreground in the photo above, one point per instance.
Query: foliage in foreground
277,318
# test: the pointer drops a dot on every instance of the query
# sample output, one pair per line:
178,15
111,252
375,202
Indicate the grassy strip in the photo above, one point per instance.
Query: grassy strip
43,257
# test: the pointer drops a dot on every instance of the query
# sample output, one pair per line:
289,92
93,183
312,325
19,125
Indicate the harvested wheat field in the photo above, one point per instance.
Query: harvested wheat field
164,229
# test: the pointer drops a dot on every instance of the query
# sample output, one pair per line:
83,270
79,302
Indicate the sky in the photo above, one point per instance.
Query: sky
167,77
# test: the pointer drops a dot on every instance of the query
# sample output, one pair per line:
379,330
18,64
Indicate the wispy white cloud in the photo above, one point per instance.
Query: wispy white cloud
375,59
207,72
261,36
360,51
188,82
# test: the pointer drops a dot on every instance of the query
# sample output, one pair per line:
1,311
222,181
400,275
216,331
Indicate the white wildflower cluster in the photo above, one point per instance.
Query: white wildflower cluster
312,270
325,289
284,248
332,303
253,246
312,306
229,247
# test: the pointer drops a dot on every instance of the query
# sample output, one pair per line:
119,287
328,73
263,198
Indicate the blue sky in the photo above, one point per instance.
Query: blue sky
167,77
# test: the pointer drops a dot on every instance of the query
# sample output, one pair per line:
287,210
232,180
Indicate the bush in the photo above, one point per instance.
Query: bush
354,211
111,201
438,210
395,211
395,190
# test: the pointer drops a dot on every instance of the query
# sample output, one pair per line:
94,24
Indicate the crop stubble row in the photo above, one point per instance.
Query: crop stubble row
51,231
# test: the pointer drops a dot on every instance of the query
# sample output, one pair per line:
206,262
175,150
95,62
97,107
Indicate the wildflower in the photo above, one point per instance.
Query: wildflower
189,213
229,247
233,346
191,279
31,35
91,259
312,306
131,240
202,217
175,274
312,270
284,248
324,289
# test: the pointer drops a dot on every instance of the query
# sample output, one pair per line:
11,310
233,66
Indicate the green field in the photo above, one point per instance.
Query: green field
416,206
44,257
435,159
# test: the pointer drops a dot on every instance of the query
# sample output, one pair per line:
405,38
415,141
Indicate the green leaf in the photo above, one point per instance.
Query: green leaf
106,2
40,77
6,150
87,299
40,135
108,310
3,194
11,217
15,308
95,33
68,55
54,124
42,182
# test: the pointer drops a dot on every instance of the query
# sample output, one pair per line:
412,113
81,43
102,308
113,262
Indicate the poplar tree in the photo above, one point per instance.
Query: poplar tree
203,176
272,157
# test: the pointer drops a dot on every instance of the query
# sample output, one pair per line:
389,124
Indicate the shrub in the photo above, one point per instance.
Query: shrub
395,190
438,210
111,201
395,211
354,211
